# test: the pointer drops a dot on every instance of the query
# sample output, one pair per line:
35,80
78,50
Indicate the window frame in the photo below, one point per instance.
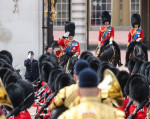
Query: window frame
61,27
92,28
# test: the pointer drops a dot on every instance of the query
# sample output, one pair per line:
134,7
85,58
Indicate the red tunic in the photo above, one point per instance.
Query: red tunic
132,33
125,102
141,114
66,43
110,34
22,115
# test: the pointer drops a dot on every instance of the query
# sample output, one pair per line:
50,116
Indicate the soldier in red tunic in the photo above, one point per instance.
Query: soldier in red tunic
106,35
67,43
135,34
139,92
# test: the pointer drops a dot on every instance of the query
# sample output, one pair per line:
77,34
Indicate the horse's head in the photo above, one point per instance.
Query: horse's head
138,52
71,62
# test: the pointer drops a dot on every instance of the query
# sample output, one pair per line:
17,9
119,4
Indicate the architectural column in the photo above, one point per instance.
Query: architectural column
79,16
126,12
116,13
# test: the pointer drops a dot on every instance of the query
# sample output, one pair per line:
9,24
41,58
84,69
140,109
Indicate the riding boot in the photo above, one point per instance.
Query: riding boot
127,58
119,62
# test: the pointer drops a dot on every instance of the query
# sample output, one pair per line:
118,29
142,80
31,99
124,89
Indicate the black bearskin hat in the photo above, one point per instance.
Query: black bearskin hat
84,53
58,111
6,58
137,66
11,77
16,95
134,76
45,70
135,19
62,80
106,17
3,72
52,77
131,63
122,77
102,67
143,67
138,89
94,62
7,53
70,26
147,74
28,89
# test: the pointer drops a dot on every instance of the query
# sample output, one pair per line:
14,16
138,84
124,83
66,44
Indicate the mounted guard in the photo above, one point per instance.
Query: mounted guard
67,43
106,36
135,38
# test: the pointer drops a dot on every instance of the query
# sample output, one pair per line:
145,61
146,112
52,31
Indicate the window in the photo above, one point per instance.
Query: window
62,9
134,7
97,7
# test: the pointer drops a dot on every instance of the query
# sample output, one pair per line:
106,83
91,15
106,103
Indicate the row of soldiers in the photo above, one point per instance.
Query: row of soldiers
79,93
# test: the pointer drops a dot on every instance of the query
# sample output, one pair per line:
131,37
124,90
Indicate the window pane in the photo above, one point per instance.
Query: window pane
134,7
132,1
97,7
62,9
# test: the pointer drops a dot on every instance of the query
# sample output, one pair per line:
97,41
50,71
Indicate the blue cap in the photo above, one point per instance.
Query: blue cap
88,78
80,65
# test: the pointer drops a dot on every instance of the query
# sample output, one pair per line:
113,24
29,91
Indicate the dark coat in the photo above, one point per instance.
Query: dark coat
32,72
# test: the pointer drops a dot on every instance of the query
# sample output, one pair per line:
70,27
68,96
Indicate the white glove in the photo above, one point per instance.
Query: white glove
110,42
29,55
138,40
66,34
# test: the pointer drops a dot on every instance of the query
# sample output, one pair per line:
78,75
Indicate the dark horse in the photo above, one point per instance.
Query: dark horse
68,61
109,54
136,50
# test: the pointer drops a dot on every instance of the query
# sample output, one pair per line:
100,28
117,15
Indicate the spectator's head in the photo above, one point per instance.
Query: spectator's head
80,65
48,49
88,82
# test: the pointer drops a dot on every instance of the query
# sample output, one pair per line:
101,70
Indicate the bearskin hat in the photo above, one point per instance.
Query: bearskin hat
122,77
135,19
102,67
52,77
7,53
28,89
131,63
137,66
147,74
45,70
138,89
16,95
6,65
143,67
63,79
106,17
3,72
49,58
11,77
6,58
94,62
70,26
84,53
134,76
58,111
